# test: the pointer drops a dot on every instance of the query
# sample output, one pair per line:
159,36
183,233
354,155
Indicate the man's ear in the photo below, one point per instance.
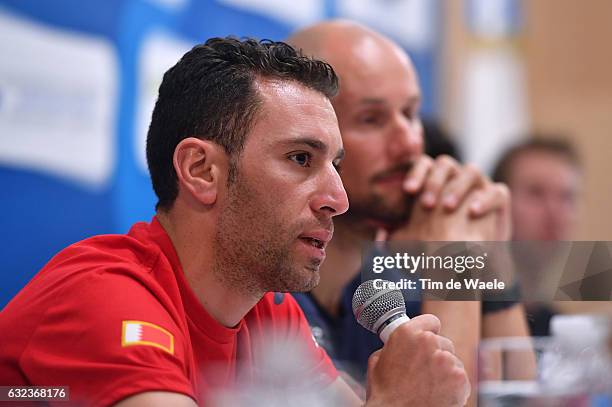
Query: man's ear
199,166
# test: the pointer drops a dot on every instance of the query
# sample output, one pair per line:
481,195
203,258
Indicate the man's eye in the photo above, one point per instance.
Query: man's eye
370,119
338,166
410,114
302,159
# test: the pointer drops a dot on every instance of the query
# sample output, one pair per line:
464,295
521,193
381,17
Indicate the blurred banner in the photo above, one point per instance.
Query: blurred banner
78,81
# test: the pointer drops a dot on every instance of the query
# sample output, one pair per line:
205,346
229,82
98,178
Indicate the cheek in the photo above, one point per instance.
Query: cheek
355,180
526,212
571,213
363,158
566,215
257,203
287,199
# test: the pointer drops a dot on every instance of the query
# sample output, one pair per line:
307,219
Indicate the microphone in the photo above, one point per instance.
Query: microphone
379,310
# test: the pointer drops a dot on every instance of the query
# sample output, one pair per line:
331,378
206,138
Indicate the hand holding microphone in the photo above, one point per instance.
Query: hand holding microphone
416,367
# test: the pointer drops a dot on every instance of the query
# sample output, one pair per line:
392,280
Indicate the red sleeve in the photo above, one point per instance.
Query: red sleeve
78,342
319,367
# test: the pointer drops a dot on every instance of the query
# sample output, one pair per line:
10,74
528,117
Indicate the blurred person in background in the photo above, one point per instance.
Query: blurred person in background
394,190
545,176
169,313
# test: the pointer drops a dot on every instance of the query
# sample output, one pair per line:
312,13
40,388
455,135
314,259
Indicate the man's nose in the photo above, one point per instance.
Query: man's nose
331,197
406,138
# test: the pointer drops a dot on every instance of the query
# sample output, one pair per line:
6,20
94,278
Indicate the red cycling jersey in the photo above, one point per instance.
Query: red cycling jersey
113,316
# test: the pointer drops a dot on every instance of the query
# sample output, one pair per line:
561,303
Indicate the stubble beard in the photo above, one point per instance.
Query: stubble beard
253,247
381,210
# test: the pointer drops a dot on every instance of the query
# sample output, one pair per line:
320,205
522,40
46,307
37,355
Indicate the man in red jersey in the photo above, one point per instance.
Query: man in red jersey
243,151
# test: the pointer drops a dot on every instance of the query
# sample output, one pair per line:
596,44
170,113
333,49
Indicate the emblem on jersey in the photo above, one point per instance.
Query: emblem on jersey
146,334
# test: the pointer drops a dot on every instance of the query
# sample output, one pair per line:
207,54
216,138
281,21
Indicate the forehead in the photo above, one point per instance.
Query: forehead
374,69
289,110
542,166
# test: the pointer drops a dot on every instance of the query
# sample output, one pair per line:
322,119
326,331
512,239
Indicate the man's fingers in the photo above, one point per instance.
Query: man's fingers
492,198
372,362
418,173
426,322
373,359
446,344
468,178
444,168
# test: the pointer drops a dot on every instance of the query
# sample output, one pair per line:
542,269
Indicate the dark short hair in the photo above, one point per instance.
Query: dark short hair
211,94
551,144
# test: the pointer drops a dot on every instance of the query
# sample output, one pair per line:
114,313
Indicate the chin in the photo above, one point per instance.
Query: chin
392,210
308,280
392,218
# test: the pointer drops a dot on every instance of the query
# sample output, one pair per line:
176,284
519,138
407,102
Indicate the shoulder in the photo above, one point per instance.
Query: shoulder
99,300
108,315
108,326
101,269
105,250
101,272
86,294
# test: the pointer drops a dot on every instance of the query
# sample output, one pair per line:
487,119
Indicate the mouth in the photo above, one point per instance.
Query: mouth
396,174
317,238
391,178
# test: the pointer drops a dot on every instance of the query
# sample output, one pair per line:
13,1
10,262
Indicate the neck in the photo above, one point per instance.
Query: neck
192,235
342,262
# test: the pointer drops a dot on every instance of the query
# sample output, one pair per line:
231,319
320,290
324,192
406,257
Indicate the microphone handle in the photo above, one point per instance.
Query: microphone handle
391,325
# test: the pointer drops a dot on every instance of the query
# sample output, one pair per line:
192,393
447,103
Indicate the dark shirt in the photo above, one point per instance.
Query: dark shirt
346,342
349,344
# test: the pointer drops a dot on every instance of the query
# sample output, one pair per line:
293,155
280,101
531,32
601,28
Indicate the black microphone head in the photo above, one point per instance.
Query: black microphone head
373,306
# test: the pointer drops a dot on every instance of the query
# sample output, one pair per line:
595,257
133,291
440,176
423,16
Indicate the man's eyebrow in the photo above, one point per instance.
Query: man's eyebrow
380,101
315,144
372,101
309,141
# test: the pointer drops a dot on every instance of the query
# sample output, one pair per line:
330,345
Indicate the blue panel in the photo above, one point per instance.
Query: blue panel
424,65
40,216
92,16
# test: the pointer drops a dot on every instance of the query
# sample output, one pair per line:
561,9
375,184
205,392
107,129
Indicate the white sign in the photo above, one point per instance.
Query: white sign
57,101
296,13
410,22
